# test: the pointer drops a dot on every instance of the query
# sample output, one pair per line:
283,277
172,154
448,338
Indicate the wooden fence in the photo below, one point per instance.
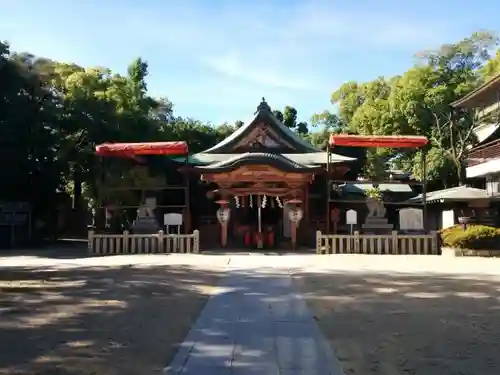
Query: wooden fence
126,243
394,243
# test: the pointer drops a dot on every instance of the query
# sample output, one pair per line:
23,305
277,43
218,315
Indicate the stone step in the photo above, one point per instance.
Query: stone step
378,226
376,219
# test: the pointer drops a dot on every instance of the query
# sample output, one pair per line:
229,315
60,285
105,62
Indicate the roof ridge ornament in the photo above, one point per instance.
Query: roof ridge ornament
263,106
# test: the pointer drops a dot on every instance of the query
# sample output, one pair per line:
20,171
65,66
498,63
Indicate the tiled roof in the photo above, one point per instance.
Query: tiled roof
455,194
277,160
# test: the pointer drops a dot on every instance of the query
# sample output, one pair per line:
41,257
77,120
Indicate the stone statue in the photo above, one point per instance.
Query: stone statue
145,221
375,207
146,210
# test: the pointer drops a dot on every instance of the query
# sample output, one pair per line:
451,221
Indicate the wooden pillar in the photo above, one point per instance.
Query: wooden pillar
306,230
100,211
224,203
223,234
293,234
328,188
424,188
187,194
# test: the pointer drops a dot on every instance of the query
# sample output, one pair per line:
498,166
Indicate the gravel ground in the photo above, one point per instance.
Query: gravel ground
384,315
114,319
395,324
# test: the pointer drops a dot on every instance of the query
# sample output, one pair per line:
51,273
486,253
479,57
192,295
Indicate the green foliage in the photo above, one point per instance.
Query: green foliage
477,237
376,164
418,103
289,118
492,67
328,123
374,192
53,114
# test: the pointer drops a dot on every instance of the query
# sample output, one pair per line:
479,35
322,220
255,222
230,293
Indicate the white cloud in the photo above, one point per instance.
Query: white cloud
239,52
287,53
286,47
262,73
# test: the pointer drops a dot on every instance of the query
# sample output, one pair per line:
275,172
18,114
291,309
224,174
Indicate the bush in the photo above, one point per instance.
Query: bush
480,237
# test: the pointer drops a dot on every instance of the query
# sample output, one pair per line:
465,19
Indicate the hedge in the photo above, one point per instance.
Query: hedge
480,237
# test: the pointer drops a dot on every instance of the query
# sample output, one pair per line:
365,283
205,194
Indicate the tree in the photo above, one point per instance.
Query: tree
419,103
491,68
326,123
28,143
290,117
453,137
53,114
278,114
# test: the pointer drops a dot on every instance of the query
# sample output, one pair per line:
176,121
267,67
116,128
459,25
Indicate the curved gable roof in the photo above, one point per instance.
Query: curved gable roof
250,158
265,115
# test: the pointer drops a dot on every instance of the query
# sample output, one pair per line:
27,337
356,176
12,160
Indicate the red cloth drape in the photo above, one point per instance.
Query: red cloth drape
136,149
389,141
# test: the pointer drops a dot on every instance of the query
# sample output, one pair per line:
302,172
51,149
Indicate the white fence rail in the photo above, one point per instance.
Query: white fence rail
126,243
394,243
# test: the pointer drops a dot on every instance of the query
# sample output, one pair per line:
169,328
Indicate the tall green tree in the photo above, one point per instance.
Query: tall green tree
418,102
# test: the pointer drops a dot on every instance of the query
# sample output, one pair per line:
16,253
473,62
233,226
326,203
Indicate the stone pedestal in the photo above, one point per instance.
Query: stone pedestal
377,225
145,225
376,222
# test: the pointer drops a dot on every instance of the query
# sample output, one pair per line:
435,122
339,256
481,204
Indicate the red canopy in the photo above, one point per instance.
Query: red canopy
135,149
389,141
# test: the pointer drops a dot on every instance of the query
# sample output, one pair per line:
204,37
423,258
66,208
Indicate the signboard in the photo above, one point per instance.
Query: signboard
172,219
14,213
351,217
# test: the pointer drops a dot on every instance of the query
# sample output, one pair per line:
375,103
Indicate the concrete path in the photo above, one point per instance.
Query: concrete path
258,325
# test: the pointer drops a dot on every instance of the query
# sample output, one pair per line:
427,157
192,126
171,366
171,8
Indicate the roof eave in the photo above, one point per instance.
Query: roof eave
229,168
277,161
467,100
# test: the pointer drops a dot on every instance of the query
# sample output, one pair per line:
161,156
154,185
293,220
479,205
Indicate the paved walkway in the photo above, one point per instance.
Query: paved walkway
259,325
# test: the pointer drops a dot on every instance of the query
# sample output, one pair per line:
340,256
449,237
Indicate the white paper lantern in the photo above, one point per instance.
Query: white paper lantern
223,215
295,214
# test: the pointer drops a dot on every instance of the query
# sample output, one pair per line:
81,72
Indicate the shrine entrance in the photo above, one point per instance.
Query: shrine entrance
261,205
257,222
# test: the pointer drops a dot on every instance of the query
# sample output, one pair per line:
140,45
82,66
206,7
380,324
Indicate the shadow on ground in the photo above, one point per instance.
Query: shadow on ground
391,324
63,249
121,320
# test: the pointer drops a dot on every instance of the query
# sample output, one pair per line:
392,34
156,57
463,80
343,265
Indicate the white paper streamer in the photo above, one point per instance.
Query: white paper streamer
280,205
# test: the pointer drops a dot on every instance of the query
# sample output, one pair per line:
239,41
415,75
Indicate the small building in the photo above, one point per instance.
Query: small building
483,161
444,207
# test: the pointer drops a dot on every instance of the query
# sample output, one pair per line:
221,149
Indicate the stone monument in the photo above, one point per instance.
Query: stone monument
411,219
145,222
375,221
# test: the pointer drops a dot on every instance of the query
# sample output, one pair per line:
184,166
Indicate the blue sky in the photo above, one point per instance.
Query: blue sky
215,59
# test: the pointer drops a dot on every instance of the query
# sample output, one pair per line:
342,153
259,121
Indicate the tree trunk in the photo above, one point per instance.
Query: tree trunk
77,218
460,172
